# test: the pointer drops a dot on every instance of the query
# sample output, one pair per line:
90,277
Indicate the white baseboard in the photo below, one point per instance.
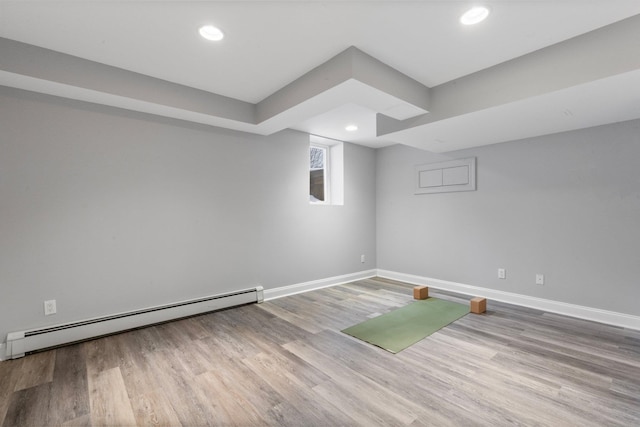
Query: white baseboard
298,288
582,312
21,342
588,313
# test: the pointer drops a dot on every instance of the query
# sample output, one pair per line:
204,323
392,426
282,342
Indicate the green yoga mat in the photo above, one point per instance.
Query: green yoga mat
398,329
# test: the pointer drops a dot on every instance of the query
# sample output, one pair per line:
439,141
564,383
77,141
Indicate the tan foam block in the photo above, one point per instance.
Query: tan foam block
420,292
478,305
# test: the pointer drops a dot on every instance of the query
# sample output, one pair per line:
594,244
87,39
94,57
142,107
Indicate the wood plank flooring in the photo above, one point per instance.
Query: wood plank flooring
286,363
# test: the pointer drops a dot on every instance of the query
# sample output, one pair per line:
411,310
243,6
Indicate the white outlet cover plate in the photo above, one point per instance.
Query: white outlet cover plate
50,307
539,279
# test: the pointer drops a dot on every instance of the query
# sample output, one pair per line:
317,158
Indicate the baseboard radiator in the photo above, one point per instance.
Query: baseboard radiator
23,342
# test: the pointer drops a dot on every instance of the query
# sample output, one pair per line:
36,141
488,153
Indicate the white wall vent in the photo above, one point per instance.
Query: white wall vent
444,177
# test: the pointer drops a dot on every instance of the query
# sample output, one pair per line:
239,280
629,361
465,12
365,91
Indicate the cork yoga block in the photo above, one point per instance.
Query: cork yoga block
420,292
478,305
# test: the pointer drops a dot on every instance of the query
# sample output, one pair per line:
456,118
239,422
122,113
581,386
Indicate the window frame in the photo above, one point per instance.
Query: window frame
326,175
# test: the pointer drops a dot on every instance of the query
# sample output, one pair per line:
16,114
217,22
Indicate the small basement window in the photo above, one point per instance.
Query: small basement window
318,174
326,171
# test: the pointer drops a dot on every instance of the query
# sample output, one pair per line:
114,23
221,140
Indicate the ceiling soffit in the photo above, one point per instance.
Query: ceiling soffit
350,77
405,111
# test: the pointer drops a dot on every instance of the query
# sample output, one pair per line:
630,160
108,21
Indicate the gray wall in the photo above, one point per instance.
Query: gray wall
565,205
106,210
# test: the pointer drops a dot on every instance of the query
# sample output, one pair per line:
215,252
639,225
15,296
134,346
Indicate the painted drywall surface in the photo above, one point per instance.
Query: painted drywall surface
106,211
302,240
564,205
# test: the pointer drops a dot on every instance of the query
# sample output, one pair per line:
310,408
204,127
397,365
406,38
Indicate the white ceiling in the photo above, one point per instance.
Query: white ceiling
270,44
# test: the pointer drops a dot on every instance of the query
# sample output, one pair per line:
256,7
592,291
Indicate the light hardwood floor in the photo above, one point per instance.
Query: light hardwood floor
286,363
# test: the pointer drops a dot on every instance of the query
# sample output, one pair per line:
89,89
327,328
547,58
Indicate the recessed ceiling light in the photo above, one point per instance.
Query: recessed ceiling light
210,32
474,15
351,128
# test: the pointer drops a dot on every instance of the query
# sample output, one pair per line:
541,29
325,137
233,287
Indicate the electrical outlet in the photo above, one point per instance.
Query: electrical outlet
362,258
539,279
50,307
502,273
